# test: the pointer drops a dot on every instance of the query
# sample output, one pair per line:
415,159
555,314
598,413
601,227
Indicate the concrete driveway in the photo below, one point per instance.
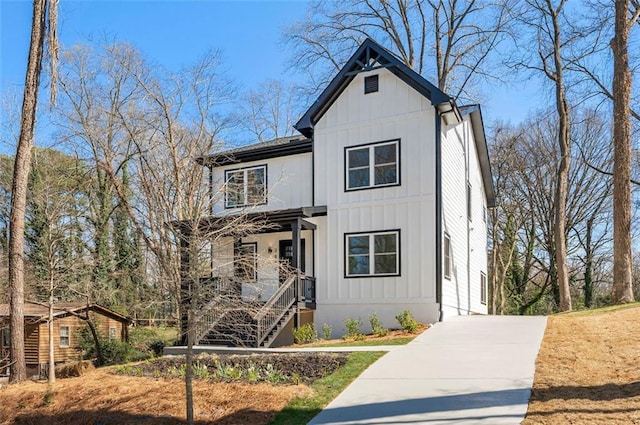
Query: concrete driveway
466,370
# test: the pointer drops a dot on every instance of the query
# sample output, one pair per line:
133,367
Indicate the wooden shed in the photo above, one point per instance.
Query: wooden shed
69,318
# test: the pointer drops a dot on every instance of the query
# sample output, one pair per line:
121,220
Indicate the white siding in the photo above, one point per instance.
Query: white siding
461,293
395,112
289,184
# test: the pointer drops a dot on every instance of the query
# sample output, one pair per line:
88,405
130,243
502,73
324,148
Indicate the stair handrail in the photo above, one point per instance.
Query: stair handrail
275,309
210,315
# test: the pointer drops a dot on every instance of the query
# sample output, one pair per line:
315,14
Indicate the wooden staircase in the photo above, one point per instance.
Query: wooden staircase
249,324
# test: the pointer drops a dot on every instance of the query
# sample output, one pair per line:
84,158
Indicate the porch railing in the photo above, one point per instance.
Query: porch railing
275,309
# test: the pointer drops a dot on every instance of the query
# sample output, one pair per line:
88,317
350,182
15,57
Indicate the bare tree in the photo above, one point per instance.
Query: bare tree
44,23
445,39
270,111
622,256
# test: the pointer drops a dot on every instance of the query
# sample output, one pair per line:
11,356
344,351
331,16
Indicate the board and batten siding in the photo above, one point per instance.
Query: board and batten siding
289,184
460,164
395,112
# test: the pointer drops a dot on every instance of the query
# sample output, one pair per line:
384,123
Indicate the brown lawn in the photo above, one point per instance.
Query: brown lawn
588,370
102,398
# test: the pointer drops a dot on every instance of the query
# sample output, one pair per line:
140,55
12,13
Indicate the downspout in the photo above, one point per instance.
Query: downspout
438,190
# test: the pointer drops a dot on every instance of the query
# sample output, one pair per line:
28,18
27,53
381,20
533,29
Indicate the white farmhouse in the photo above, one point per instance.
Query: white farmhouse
379,206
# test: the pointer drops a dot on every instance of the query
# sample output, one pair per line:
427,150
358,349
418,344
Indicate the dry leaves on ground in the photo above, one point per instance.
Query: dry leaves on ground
587,371
100,397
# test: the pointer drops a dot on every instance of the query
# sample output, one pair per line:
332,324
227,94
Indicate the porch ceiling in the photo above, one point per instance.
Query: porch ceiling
255,222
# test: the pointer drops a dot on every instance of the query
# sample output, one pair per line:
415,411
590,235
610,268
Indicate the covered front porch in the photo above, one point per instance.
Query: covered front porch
253,272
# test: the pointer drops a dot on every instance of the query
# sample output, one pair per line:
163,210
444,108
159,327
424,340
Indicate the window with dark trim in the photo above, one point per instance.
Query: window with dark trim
446,246
246,186
247,262
483,288
370,84
469,212
65,336
373,165
372,254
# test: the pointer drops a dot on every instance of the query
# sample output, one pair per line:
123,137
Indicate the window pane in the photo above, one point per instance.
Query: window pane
385,263
359,158
385,174
256,187
359,245
359,178
235,188
359,264
385,243
385,154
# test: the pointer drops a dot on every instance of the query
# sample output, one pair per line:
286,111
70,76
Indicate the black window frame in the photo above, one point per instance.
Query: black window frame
469,199
244,276
446,258
371,166
371,253
483,288
245,171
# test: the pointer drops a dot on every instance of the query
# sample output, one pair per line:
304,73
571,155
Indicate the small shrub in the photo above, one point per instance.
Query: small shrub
376,326
305,334
407,321
353,327
157,347
327,330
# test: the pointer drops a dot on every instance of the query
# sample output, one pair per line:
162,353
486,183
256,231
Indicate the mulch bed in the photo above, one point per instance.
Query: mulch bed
293,367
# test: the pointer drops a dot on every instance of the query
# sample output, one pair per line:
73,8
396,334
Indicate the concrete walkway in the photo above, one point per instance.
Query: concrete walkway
466,370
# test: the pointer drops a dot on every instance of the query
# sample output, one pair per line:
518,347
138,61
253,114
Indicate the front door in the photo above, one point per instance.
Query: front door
286,257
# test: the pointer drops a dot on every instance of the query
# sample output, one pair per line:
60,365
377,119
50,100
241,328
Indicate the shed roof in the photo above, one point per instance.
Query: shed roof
39,311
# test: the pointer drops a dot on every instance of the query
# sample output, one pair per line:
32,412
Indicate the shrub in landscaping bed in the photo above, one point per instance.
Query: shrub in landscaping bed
285,368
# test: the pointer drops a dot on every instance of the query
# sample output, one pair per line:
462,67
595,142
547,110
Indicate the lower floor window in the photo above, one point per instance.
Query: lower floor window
113,333
6,338
373,254
64,336
483,288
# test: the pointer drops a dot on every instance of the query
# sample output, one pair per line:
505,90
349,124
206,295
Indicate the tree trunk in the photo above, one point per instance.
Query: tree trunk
588,265
19,190
51,376
622,261
564,141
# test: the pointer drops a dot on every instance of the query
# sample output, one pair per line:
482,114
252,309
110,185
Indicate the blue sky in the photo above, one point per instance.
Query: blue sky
175,33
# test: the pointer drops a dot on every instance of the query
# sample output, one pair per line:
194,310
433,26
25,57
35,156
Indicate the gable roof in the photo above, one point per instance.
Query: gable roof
38,312
370,56
281,146
477,125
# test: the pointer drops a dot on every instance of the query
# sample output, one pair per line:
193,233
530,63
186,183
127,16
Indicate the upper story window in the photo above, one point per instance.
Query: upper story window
246,186
373,165
373,254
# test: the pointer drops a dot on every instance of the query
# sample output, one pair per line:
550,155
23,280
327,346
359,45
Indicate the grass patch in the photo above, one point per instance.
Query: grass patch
369,342
302,409
601,310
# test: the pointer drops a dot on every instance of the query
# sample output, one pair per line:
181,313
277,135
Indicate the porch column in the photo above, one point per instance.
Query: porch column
185,287
296,229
